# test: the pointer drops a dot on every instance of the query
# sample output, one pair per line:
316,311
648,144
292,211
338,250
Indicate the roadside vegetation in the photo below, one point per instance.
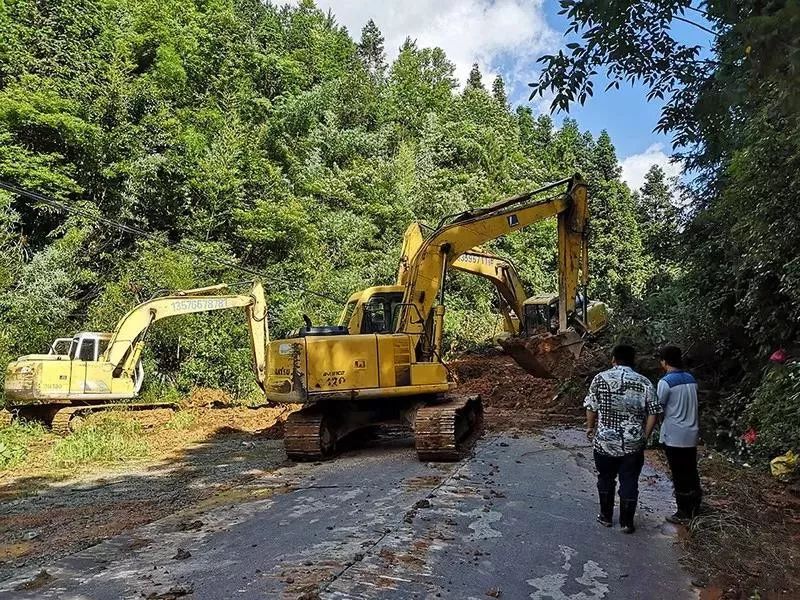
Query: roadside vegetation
104,439
119,440
15,442
269,137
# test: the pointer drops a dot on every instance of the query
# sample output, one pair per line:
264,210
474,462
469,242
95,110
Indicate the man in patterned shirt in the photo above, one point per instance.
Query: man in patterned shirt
621,412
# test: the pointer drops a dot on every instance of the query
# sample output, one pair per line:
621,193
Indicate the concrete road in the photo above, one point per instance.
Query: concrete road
515,520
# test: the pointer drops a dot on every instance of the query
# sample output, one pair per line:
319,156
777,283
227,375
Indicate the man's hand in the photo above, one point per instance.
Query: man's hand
591,423
652,420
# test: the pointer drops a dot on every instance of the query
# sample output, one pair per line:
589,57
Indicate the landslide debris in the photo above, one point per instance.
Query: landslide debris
514,399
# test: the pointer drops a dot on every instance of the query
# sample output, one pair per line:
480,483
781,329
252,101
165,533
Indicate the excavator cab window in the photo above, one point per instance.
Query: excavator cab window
380,313
541,317
88,350
61,346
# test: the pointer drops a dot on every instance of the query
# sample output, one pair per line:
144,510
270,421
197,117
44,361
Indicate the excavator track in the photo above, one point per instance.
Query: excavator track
60,425
444,431
308,435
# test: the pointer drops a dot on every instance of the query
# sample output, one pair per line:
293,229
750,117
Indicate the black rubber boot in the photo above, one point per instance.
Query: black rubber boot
686,508
606,516
627,510
695,503
678,518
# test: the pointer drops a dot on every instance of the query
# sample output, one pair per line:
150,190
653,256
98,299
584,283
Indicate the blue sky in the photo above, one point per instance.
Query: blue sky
506,37
625,113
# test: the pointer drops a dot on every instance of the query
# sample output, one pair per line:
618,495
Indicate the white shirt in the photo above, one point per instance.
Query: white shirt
677,393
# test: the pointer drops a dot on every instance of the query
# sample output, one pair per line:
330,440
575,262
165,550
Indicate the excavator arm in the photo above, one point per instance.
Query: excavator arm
425,272
127,341
504,277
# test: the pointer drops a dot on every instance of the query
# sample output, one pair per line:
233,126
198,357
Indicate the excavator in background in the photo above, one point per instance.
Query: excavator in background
532,337
525,315
383,361
96,371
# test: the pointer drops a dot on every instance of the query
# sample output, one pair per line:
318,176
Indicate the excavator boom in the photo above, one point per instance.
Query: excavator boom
130,330
504,277
425,272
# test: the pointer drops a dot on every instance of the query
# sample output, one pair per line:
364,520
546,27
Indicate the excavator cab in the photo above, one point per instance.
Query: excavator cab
373,310
60,347
541,315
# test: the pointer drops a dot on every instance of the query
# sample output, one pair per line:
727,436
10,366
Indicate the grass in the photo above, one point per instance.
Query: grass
15,441
183,419
105,438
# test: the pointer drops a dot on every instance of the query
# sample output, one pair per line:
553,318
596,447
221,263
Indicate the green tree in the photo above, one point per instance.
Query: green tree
604,158
420,82
475,79
499,90
371,50
658,215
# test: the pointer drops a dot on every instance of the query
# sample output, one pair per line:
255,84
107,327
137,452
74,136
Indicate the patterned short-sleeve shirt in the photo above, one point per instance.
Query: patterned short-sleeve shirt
622,399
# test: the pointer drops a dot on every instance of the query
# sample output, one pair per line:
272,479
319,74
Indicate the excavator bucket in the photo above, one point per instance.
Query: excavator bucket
548,356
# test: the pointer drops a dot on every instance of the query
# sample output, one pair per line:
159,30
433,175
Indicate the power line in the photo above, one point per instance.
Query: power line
141,233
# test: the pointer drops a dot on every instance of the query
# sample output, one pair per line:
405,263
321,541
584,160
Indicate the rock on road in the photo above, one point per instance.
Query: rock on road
513,520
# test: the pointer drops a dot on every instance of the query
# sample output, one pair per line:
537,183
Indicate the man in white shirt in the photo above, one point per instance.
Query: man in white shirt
677,394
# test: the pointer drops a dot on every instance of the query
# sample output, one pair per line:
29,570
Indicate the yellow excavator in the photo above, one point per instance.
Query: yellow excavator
383,361
97,371
525,315
531,325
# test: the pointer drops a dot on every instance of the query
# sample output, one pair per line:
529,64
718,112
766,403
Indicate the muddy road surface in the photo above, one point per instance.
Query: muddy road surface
515,519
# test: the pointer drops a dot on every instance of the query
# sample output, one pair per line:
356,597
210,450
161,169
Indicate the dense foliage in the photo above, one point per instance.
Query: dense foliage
267,137
734,112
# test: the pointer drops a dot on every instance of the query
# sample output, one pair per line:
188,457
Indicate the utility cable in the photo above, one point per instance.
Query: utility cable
68,208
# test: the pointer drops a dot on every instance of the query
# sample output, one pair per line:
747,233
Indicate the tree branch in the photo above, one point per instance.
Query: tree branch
690,22
699,11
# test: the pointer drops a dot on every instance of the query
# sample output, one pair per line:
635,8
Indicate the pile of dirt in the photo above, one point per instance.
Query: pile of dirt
203,397
207,423
513,399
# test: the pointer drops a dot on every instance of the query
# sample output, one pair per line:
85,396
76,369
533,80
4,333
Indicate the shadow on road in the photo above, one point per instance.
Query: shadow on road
46,517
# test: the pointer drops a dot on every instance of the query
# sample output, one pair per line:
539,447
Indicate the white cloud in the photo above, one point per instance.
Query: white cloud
635,166
502,36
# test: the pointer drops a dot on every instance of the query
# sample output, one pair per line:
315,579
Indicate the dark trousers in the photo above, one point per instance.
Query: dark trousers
627,468
685,478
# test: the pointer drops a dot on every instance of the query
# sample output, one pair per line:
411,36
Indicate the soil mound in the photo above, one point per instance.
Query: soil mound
513,399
